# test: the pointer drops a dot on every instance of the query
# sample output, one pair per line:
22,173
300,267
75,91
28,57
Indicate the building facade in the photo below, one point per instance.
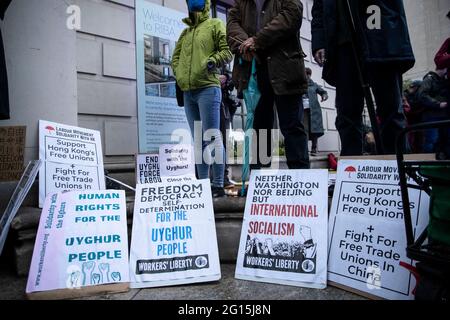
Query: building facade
87,77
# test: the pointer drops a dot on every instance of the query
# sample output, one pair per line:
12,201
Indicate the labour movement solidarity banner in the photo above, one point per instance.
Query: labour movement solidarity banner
81,242
174,235
159,117
73,159
367,249
284,232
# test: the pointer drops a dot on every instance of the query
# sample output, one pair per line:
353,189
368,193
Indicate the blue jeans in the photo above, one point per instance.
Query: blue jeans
203,106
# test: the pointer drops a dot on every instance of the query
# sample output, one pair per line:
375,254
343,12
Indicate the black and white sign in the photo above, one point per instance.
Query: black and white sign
367,233
284,233
174,235
73,159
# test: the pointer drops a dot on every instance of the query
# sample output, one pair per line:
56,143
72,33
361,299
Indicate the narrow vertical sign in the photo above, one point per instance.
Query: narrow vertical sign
157,31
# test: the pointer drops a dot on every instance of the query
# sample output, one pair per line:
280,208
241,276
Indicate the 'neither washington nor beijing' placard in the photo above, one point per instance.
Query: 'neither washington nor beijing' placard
73,159
367,231
81,241
284,233
12,147
174,235
147,168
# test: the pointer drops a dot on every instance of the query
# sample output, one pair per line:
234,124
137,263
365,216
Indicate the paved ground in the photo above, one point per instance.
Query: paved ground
228,288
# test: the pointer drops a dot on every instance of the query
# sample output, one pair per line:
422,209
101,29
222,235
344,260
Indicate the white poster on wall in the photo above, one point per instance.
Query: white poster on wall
81,241
73,159
367,233
284,232
177,160
157,31
147,169
174,235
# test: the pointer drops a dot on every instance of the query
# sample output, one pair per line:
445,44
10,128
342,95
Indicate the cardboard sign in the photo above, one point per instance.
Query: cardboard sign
284,233
177,160
17,198
12,148
367,232
73,159
82,241
147,169
174,235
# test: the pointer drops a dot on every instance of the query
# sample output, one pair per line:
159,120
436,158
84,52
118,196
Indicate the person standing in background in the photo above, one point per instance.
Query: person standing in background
384,51
269,31
313,120
433,95
201,49
4,93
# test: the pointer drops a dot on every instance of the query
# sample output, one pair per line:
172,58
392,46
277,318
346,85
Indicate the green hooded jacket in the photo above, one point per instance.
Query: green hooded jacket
204,40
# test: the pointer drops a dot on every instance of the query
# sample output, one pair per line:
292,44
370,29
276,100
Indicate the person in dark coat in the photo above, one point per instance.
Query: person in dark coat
385,53
269,30
434,95
413,111
313,119
4,94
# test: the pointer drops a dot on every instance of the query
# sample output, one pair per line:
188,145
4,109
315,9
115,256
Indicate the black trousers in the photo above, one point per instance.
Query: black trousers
387,86
288,108
4,96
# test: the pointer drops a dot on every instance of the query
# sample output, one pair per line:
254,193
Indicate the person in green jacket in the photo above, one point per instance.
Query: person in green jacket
200,50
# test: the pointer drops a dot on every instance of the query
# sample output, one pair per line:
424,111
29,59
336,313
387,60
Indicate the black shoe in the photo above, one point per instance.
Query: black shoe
217,192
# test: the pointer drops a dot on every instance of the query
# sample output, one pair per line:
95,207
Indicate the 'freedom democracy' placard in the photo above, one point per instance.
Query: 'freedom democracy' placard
174,236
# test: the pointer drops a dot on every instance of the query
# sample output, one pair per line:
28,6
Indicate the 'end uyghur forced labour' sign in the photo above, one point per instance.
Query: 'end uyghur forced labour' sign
367,232
284,232
82,241
174,235
73,159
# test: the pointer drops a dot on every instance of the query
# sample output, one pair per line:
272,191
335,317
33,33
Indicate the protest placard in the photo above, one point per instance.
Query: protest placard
19,194
367,241
174,235
81,243
12,149
73,159
147,168
284,232
176,160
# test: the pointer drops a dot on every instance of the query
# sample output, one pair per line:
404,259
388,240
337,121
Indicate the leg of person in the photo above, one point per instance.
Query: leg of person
224,130
349,103
306,120
192,111
431,137
209,100
264,119
296,140
314,140
387,86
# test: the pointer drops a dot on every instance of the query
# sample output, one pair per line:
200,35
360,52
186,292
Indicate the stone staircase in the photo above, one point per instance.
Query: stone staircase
228,211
